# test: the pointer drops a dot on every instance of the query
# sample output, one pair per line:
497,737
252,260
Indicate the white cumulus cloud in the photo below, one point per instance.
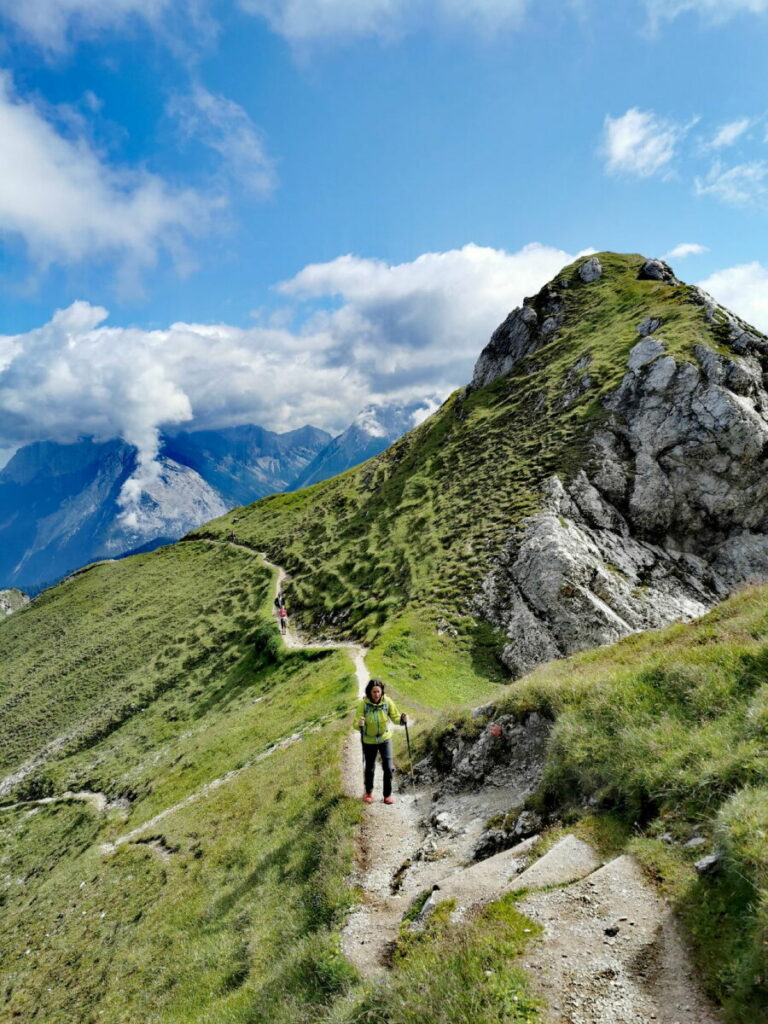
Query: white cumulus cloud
51,23
639,143
224,127
67,204
421,324
685,249
743,289
398,332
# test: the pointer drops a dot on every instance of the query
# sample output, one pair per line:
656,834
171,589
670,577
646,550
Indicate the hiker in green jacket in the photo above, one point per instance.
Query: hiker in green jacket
374,715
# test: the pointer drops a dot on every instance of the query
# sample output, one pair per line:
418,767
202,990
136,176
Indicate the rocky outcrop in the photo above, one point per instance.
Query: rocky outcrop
524,331
657,270
11,601
590,270
668,511
508,752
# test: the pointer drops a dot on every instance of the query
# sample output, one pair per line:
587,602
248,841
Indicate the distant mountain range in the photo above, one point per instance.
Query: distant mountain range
59,503
371,432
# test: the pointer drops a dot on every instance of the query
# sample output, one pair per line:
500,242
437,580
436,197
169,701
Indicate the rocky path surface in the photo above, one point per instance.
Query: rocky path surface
611,951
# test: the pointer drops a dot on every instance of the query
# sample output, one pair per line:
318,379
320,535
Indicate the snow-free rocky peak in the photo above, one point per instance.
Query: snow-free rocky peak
665,505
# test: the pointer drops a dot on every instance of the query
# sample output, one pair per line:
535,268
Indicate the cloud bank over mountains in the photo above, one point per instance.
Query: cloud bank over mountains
391,332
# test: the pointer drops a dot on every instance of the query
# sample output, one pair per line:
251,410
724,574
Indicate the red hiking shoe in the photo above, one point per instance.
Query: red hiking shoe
367,798
388,800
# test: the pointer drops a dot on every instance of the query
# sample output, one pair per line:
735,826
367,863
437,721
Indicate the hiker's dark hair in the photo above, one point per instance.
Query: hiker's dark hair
370,686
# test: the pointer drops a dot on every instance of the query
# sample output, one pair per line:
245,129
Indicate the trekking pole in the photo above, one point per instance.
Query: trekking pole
408,741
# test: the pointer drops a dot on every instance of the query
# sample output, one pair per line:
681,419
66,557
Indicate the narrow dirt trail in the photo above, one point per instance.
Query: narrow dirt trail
98,801
610,949
390,837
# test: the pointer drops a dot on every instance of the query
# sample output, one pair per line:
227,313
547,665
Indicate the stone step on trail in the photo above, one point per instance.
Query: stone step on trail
481,883
569,859
611,952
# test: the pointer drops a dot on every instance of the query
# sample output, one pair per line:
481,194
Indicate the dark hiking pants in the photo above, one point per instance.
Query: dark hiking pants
370,750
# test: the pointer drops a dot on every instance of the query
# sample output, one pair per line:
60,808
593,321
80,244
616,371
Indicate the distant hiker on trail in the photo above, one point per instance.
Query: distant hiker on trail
279,601
374,715
282,615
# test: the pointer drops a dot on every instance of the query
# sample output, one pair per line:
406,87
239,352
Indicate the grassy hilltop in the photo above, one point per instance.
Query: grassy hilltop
147,679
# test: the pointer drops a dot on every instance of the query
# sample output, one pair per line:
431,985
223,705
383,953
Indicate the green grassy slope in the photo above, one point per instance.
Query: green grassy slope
164,674
667,734
419,524
226,907
93,651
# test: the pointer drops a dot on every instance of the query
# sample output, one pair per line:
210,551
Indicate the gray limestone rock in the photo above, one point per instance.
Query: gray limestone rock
644,352
706,865
669,507
492,841
11,601
590,270
669,512
650,325
524,331
515,338
508,753
657,270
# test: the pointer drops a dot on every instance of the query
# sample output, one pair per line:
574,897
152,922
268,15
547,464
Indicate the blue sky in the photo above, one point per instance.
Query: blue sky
219,211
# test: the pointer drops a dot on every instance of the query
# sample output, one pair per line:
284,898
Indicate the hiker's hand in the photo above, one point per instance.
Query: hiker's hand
361,723
403,719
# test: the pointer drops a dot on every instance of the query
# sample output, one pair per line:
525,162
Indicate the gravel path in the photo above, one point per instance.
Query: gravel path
611,952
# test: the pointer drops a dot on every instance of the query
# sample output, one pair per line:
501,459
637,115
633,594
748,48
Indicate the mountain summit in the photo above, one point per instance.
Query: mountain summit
604,472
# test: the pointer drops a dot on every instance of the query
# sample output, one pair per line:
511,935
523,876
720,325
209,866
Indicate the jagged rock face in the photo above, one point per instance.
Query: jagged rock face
668,511
507,752
523,332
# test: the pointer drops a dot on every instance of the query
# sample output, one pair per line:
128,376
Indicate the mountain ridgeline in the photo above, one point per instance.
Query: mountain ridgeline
604,472
175,845
60,504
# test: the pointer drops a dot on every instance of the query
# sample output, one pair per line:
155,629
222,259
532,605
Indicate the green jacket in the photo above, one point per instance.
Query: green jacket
377,718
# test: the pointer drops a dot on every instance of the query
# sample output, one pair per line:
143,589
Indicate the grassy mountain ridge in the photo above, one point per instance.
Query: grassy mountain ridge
150,679
171,677
419,524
